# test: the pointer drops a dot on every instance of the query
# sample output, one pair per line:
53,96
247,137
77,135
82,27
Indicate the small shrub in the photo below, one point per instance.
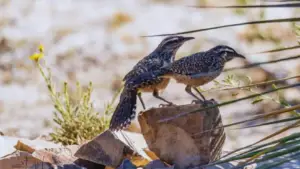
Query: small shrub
74,114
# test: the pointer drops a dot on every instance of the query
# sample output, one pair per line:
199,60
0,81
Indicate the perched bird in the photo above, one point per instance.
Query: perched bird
193,71
162,56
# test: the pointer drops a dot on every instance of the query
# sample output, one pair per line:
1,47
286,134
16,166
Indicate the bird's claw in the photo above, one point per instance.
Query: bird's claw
166,105
197,102
204,103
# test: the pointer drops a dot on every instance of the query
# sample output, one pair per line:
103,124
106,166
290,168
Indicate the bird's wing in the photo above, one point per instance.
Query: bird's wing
145,65
131,73
204,74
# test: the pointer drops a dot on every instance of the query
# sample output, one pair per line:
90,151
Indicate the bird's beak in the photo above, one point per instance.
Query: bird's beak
188,38
240,56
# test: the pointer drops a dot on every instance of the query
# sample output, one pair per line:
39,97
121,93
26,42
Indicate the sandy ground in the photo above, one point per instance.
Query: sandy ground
100,41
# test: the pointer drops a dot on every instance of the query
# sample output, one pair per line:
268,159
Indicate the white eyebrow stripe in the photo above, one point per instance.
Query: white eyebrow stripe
164,42
228,50
172,39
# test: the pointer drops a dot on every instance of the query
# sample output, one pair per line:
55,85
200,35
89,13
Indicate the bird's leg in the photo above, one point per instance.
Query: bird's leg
188,89
156,95
203,98
204,102
141,100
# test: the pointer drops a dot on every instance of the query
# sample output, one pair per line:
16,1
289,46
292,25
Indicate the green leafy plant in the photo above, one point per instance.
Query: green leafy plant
75,116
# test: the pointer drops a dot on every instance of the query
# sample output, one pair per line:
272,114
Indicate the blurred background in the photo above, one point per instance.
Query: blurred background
100,41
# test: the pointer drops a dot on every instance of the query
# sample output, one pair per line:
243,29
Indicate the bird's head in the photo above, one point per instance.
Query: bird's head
226,52
172,43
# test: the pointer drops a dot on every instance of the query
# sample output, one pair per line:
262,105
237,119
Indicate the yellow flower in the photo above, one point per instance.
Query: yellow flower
41,48
38,55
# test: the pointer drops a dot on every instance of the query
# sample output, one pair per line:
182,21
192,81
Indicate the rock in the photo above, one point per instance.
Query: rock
68,150
27,153
70,166
134,140
52,158
182,141
37,154
126,164
89,164
219,166
7,144
104,149
156,164
40,153
42,165
45,165
18,160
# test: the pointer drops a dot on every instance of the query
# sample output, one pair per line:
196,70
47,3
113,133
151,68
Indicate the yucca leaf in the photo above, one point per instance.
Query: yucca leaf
267,137
235,158
269,123
256,149
279,132
260,84
267,152
279,49
283,144
257,100
286,5
279,162
281,0
278,147
257,117
263,63
273,155
258,154
296,19
228,102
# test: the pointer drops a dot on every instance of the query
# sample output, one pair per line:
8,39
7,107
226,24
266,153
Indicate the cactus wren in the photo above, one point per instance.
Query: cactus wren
162,56
193,71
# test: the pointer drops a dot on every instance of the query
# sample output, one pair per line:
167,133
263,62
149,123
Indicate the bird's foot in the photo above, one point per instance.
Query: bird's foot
198,102
167,105
204,103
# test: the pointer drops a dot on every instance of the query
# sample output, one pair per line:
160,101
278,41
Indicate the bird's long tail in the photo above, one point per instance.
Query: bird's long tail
125,110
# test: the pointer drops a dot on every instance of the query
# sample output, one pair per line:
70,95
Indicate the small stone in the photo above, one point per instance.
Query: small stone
155,164
126,164
104,149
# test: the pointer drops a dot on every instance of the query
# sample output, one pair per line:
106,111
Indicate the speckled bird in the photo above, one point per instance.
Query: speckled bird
162,56
193,71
